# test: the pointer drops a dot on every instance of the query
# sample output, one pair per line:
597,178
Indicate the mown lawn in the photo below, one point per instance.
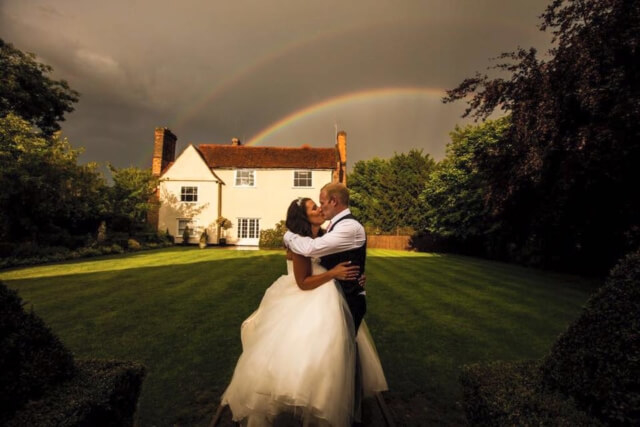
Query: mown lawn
179,310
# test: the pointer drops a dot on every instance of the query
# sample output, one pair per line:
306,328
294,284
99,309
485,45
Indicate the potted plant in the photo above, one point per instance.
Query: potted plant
224,225
204,238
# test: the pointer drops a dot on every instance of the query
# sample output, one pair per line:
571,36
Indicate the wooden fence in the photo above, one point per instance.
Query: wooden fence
388,242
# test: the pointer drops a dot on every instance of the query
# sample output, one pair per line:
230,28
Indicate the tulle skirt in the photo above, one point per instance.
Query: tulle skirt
299,356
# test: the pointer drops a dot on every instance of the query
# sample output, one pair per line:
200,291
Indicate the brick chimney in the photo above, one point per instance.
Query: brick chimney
340,173
164,150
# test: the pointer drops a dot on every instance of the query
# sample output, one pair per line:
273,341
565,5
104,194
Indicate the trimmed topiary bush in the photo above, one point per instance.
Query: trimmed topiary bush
597,361
32,359
40,385
103,393
511,393
590,377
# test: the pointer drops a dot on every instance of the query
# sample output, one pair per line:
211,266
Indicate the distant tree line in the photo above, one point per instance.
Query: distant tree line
554,183
46,197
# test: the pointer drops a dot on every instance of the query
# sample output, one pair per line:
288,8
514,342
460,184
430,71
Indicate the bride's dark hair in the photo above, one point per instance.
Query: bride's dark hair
297,221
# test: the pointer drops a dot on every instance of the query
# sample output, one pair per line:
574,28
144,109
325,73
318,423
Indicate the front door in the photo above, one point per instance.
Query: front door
248,231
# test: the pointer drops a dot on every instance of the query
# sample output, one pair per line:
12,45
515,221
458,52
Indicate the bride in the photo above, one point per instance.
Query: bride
299,346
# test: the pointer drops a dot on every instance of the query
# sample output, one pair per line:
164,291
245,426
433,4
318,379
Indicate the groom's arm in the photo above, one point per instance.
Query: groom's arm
339,240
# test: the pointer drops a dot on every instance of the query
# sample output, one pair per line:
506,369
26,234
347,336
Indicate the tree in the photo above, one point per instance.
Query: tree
29,92
131,197
385,193
566,171
43,191
455,193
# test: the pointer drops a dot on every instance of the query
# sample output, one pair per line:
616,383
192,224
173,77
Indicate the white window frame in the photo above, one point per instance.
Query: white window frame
192,223
298,179
235,179
184,194
248,226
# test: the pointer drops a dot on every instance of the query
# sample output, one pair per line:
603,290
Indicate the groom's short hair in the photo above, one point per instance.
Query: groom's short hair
338,191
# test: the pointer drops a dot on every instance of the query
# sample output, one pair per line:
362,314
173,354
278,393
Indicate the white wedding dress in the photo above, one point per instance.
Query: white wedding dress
298,355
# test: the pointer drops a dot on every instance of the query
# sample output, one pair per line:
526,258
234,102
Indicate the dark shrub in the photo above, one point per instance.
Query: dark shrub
103,393
26,250
6,249
511,394
118,238
597,360
32,359
426,241
41,386
151,237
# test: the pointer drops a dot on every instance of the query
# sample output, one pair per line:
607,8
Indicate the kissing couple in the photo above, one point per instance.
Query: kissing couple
306,351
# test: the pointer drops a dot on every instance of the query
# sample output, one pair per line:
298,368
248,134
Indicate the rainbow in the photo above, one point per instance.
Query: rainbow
352,98
261,61
264,60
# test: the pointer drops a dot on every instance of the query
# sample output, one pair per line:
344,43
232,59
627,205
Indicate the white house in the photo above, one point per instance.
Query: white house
250,186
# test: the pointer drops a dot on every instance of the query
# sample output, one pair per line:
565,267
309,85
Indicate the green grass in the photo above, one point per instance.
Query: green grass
179,311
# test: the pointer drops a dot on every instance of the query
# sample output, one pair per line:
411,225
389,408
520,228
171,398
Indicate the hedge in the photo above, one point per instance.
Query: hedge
511,393
597,361
32,358
42,385
103,393
590,377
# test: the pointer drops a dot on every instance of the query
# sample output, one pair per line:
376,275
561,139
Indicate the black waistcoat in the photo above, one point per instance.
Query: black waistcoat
357,257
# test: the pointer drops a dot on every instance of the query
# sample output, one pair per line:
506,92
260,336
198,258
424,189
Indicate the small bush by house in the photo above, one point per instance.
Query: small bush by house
272,238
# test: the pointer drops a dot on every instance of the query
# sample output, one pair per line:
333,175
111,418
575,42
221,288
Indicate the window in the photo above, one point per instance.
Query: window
189,194
302,179
248,228
184,223
245,178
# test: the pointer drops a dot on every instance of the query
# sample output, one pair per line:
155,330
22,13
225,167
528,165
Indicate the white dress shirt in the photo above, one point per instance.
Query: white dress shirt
345,235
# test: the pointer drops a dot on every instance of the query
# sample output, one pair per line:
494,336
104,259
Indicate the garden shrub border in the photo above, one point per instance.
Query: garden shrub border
590,377
42,385
85,252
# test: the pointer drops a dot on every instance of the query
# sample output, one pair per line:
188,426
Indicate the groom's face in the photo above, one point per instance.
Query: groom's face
328,205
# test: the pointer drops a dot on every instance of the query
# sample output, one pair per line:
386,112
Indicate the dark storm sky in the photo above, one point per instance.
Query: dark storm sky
271,72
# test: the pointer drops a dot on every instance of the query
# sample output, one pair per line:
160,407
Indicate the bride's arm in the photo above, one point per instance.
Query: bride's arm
302,272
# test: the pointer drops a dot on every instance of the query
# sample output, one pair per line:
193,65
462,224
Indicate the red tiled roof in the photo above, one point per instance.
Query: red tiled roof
229,156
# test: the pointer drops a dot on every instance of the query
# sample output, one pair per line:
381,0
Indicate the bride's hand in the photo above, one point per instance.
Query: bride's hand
362,280
345,271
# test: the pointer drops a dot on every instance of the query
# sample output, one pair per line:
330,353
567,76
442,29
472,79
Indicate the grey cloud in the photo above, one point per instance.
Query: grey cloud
142,64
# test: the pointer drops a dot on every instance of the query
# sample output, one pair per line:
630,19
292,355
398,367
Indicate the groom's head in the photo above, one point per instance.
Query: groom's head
334,198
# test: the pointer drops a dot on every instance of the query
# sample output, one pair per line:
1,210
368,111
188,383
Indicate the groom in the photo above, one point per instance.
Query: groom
345,240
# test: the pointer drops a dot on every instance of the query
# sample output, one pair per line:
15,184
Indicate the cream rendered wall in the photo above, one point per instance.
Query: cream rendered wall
189,170
268,200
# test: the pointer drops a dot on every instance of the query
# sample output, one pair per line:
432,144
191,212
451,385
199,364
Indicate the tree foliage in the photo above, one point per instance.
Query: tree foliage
29,92
385,192
43,191
131,197
46,197
566,170
455,194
